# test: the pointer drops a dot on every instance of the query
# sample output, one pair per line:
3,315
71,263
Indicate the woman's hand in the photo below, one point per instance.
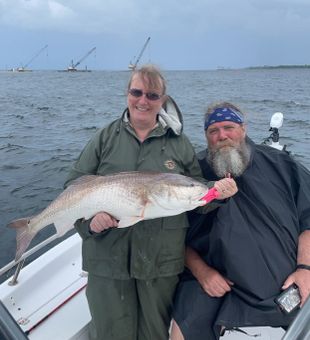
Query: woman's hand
102,221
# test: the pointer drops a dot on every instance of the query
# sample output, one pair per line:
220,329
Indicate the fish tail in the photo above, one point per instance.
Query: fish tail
23,235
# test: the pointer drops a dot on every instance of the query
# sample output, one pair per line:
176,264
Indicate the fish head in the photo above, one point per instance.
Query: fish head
180,193
191,194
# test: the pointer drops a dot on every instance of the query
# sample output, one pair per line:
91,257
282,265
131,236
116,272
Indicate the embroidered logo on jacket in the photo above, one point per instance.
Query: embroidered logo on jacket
170,164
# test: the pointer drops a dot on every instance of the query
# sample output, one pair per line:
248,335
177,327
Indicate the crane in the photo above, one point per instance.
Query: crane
73,66
24,68
132,66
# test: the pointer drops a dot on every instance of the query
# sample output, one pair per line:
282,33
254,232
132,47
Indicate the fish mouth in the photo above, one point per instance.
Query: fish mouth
203,194
201,199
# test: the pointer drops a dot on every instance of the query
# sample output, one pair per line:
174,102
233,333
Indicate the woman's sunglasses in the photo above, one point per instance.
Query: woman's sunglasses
149,95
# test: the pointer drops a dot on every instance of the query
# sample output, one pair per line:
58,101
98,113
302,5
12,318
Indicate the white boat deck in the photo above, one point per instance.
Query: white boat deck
49,300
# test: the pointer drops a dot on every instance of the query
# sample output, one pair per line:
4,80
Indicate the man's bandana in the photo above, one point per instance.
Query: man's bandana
222,114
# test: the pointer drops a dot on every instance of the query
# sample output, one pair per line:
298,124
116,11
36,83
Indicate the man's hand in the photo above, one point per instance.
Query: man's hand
101,222
214,283
301,277
226,187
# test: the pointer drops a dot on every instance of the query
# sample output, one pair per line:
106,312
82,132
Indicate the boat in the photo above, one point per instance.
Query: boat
73,66
46,299
133,65
24,68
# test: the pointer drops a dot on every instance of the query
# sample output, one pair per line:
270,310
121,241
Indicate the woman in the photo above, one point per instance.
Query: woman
133,271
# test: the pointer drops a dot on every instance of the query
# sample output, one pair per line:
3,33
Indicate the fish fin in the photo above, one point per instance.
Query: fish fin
129,221
23,235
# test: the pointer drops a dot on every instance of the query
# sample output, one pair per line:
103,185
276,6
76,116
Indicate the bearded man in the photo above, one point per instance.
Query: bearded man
242,255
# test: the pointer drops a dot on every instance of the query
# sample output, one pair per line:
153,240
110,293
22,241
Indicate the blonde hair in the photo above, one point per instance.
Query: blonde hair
151,76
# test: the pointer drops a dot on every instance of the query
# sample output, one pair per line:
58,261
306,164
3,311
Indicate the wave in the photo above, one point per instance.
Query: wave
288,103
10,167
299,123
86,128
293,103
12,147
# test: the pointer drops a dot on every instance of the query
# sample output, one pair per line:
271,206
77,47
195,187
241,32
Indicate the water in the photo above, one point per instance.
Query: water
46,119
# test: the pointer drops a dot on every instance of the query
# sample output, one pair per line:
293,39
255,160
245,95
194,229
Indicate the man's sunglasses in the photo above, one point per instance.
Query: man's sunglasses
149,95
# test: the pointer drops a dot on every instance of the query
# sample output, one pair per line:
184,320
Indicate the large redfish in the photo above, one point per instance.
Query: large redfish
129,197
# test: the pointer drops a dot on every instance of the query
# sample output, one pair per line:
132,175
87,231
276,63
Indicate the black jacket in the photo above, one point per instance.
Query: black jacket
253,238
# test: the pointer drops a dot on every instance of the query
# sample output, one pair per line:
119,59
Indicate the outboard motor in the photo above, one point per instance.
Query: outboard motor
276,122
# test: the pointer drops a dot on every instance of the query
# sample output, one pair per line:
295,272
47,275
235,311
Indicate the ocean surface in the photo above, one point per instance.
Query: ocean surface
46,118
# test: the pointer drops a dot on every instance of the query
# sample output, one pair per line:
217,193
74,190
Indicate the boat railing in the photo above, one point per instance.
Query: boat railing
20,262
300,327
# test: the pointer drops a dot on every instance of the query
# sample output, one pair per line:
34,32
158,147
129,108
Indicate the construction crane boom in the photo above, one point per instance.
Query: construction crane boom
73,66
23,68
133,66
36,55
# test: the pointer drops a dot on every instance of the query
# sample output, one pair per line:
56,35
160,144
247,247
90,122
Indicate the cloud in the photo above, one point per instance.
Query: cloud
69,16
127,17
58,11
34,14
197,32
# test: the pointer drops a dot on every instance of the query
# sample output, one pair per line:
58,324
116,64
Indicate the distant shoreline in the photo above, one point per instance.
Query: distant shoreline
277,66
219,68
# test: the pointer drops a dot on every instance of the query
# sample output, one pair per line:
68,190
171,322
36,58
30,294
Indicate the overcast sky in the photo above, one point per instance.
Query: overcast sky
185,34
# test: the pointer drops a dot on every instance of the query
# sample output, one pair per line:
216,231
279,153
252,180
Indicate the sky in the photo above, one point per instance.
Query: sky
185,34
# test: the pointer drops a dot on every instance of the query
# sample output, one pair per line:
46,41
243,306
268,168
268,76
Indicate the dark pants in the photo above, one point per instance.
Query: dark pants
195,312
130,309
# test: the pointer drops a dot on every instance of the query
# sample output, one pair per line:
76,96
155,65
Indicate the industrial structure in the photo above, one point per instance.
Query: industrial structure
132,66
73,66
24,68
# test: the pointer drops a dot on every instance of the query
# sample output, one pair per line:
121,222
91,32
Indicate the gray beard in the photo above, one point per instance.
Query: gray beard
229,160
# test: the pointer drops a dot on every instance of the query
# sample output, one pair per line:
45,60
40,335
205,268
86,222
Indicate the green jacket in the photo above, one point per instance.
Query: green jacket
151,248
